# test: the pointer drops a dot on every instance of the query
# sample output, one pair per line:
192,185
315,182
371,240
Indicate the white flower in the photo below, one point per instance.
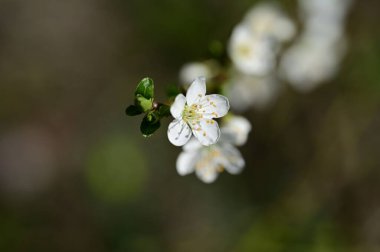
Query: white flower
251,54
324,19
309,63
323,31
246,91
194,115
192,70
235,130
331,9
269,20
208,162
316,55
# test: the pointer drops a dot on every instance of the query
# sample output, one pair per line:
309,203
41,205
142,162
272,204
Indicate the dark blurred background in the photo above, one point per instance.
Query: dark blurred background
76,174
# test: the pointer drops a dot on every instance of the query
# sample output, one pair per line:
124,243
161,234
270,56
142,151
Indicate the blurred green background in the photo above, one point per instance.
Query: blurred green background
76,174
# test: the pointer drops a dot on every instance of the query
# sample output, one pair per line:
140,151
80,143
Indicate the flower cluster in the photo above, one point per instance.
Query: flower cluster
263,51
315,56
253,78
253,48
256,41
207,149
208,162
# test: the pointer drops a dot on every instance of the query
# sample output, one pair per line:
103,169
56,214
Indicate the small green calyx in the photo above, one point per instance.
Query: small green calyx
144,97
144,104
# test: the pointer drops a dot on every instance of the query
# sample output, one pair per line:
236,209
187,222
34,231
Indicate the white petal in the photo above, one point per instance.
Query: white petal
251,54
196,91
207,174
214,106
235,130
245,91
179,132
206,131
192,70
192,145
232,159
186,162
178,106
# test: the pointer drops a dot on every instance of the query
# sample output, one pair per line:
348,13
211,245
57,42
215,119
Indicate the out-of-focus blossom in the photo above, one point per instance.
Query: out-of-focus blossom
250,53
235,130
323,31
194,115
307,64
245,91
267,20
331,9
190,71
324,18
253,48
316,55
208,162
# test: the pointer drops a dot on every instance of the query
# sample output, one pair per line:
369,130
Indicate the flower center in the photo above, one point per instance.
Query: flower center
244,50
210,160
192,114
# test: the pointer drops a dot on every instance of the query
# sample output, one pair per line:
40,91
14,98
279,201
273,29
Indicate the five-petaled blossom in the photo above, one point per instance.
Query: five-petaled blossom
194,115
208,162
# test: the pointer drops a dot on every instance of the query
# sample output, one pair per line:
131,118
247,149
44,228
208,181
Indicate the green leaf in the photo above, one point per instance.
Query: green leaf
163,110
145,88
153,117
149,125
144,103
133,110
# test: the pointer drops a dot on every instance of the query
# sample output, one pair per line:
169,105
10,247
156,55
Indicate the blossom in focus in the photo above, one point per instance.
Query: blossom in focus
194,114
208,162
190,71
251,54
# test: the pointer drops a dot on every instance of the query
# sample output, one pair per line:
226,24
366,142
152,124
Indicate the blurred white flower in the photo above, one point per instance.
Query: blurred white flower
308,64
235,130
268,20
316,55
324,18
208,162
194,115
332,9
323,31
190,71
255,43
251,54
246,91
